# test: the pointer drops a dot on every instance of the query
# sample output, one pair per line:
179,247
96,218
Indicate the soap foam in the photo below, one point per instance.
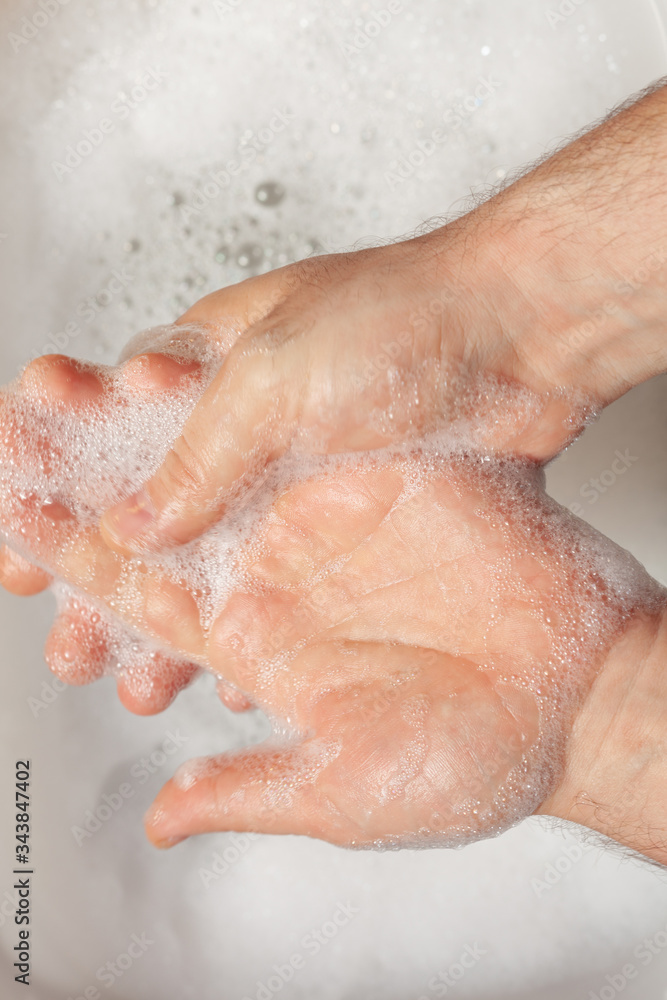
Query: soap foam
88,457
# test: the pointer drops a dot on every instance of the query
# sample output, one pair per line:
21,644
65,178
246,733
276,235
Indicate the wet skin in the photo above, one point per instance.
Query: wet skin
409,641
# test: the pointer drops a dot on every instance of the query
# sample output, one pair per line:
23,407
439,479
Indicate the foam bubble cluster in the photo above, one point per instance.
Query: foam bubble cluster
456,613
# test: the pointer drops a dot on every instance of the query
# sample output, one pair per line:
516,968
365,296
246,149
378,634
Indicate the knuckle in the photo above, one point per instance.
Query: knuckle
183,475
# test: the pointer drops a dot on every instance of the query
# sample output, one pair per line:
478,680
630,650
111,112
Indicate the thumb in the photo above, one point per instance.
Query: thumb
219,439
271,790
241,423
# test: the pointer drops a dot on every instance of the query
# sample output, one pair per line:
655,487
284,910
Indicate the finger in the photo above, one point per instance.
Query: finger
146,599
168,610
154,373
250,633
265,790
77,647
20,577
183,498
152,682
51,532
249,301
49,384
312,525
241,422
57,378
79,650
232,698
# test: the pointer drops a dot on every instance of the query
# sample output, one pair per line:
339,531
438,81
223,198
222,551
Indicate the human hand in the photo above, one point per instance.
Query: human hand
432,652
429,625
557,285
349,352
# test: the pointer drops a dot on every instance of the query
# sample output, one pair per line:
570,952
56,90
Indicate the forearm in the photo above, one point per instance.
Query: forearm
572,258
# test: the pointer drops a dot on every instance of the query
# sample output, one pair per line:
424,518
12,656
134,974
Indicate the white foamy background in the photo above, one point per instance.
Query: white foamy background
122,211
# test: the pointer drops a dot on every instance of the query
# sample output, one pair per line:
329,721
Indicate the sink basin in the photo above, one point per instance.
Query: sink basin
336,95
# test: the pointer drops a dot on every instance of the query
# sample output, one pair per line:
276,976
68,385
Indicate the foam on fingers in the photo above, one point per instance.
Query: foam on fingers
149,685
152,372
269,789
77,647
19,576
55,378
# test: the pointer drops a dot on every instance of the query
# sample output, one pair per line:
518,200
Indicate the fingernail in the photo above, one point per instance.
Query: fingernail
131,517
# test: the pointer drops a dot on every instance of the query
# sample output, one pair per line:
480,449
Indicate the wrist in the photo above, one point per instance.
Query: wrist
616,759
570,261
578,319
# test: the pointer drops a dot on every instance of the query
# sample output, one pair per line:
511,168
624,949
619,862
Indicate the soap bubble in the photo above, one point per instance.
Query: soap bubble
269,193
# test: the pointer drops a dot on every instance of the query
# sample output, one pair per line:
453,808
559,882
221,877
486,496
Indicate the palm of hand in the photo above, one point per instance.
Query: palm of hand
419,642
